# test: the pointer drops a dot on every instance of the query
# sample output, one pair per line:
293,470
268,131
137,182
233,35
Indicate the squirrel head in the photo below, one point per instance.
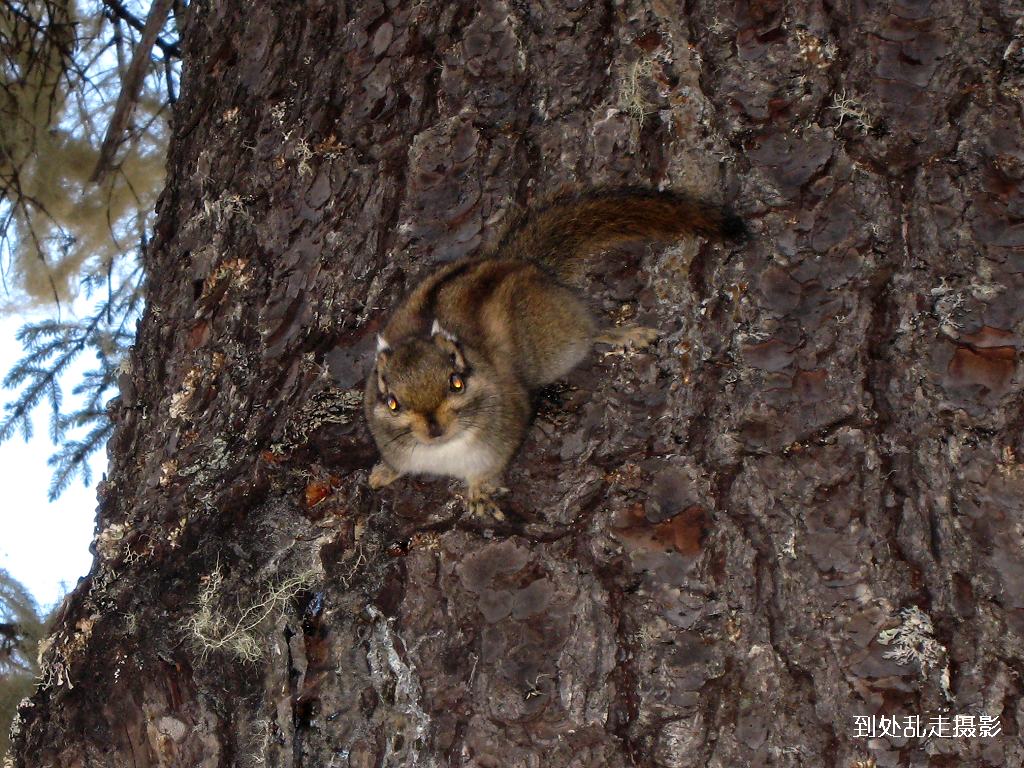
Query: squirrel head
423,391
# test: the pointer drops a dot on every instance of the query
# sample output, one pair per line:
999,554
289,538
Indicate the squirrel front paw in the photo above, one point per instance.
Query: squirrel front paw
628,336
480,502
382,475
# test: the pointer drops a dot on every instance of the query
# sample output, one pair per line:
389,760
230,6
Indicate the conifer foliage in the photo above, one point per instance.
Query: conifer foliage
85,91
50,347
22,627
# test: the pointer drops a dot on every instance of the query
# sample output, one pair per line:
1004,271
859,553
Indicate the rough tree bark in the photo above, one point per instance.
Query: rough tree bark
802,505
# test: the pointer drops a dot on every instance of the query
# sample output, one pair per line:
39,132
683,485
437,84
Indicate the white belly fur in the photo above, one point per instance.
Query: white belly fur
464,457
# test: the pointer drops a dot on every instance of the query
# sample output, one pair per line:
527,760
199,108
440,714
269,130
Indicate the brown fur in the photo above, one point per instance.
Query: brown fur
568,230
508,324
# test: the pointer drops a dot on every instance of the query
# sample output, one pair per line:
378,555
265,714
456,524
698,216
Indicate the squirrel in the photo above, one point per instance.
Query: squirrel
456,364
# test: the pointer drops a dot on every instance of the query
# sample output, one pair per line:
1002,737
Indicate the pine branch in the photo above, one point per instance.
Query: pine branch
170,49
131,87
71,458
50,347
21,627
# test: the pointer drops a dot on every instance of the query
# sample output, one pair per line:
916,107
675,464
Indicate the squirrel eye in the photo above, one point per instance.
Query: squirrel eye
457,383
392,402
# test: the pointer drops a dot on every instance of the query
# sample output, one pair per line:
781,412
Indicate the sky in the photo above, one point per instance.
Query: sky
43,545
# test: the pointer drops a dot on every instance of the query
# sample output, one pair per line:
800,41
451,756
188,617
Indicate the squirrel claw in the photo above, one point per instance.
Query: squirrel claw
382,475
628,336
481,505
486,509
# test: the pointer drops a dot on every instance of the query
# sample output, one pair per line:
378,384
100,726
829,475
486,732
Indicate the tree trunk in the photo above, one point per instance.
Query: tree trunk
801,506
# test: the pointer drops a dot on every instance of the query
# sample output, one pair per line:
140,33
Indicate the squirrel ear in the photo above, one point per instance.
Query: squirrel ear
447,342
383,353
437,330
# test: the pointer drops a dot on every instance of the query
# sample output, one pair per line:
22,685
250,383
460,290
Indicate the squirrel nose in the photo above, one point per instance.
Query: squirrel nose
433,428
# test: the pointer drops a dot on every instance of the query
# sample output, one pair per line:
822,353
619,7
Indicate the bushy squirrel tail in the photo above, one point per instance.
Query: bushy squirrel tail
564,233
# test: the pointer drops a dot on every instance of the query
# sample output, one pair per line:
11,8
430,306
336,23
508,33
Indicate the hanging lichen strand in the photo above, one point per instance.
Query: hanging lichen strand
60,74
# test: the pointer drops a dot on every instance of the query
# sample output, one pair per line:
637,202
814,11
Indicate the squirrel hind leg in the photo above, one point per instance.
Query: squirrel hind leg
627,336
553,330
